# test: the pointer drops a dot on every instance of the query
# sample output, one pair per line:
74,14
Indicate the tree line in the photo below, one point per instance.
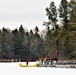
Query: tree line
21,44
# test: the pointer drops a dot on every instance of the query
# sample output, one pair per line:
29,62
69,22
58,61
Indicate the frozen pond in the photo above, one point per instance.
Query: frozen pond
13,68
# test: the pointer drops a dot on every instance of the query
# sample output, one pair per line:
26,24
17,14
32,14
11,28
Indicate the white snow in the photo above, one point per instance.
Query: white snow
13,68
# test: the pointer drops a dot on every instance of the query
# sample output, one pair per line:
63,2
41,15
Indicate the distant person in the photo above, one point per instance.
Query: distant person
26,61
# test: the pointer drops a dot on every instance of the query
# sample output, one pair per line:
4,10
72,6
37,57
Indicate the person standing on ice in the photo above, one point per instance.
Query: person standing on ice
26,61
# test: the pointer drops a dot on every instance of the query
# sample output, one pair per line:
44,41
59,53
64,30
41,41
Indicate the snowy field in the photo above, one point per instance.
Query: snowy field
13,68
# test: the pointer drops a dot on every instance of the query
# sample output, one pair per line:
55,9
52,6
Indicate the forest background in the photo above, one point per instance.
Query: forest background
58,40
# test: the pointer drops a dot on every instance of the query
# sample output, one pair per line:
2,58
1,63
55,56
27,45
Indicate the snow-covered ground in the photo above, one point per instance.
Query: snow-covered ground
13,68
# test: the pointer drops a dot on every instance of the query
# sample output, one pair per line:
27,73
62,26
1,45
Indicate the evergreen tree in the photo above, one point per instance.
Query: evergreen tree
22,41
6,43
31,32
72,5
52,16
35,45
4,46
36,30
64,12
27,45
16,44
0,44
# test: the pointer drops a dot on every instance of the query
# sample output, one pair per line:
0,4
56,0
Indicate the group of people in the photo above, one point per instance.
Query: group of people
44,61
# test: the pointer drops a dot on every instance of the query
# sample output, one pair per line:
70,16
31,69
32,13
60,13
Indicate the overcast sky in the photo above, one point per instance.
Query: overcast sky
29,13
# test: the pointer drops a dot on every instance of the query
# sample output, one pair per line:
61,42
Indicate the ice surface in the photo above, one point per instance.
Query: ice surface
13,68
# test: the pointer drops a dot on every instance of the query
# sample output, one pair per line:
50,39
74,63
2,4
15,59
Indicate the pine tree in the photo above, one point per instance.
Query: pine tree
64,12
72,5
36,30
22,42
6,43
16,43
52,15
